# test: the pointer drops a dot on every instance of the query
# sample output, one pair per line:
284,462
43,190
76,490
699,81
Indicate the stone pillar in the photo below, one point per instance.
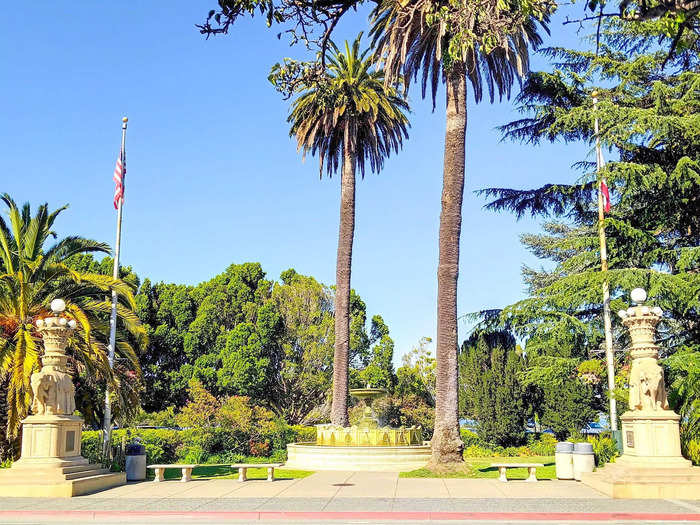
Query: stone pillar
50,462
52,433
650,431
652,465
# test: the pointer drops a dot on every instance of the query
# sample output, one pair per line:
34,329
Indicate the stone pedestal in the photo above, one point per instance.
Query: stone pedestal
50,464
652,465
652,437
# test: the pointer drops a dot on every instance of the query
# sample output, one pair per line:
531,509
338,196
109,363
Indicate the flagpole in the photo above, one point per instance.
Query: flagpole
107,421
607,325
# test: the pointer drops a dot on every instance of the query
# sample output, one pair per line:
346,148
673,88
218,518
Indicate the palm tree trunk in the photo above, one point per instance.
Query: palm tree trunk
446,443
339,408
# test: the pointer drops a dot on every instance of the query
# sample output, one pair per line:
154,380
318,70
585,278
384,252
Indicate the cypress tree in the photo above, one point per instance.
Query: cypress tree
490,389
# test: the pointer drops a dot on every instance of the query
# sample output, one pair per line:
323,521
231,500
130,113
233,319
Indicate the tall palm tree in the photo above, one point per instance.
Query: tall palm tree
350,117
485,43
31,276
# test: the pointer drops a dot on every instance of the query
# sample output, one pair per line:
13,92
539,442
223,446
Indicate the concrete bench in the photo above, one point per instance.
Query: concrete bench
186,471
531,468
243,469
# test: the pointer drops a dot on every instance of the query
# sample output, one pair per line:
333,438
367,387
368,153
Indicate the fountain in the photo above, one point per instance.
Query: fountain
364,446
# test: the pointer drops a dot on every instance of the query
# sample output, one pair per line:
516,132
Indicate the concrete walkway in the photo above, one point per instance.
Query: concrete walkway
339,495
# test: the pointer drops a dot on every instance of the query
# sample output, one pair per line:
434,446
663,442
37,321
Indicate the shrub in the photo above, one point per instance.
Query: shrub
163,418
544,446
470,438
259,448
278,456
301,434
692,451
524,451
476,451
604,449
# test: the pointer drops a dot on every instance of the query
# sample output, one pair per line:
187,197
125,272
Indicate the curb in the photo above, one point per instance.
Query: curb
204,516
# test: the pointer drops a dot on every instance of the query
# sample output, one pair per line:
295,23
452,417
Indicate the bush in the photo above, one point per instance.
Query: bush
476,451
470,438
604,449
544,446
203,445
301,434
692,451
525,451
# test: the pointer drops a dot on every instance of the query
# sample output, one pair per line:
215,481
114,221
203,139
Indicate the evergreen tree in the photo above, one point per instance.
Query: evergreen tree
490,389
648,111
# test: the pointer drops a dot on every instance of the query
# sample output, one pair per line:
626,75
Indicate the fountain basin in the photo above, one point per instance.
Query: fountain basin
367,436
311,456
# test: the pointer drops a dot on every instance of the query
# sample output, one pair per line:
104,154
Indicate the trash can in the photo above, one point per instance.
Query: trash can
563,460
135,462
584,461
617,436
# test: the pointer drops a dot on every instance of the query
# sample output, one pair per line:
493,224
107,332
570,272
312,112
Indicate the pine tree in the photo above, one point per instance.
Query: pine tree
490,389
648,110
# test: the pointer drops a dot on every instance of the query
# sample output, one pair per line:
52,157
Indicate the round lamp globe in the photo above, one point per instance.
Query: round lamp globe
638,295
58,305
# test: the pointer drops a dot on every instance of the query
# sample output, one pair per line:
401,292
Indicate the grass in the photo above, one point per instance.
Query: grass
481,468
226,472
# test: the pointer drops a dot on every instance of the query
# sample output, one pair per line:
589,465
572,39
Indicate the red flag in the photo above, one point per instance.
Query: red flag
119,172
606,195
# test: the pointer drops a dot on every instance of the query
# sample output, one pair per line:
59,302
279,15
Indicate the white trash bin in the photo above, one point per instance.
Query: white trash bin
584,460
563,460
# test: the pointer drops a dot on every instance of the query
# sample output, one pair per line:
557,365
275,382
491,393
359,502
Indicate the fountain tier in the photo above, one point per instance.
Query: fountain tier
365,446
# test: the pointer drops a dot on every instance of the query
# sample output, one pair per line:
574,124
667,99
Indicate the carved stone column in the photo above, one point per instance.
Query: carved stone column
650,431
652,465
50,463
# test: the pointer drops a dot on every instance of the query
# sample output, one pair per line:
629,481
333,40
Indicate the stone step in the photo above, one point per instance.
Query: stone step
79,468
97,482
86,473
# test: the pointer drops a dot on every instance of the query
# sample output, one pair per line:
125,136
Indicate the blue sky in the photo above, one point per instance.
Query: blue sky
213,177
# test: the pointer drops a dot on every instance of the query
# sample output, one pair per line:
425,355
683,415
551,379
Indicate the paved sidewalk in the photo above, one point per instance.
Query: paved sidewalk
349,496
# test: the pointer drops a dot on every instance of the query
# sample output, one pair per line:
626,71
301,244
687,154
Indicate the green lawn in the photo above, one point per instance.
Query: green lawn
481,468
226,472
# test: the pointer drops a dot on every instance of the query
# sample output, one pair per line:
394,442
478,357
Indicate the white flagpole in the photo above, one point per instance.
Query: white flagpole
107,421
607,325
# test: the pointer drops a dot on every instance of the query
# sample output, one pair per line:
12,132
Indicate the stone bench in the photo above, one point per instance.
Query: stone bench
186,471
531,468
243,469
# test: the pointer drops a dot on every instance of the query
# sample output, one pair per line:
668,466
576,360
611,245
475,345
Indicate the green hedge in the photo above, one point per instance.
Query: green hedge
200,445
474,446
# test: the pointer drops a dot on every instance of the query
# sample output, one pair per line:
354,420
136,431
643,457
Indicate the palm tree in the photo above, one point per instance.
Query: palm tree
349,117
487,44
31,276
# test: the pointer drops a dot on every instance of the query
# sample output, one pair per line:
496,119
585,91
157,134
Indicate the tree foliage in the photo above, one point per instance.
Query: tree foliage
240,334
649,122
491,390
33,274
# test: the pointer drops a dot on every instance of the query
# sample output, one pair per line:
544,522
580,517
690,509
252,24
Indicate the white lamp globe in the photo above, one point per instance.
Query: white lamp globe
58,305
638,295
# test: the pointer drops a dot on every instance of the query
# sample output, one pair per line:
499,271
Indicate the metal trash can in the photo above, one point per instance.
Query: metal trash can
584,461
563,460
135,462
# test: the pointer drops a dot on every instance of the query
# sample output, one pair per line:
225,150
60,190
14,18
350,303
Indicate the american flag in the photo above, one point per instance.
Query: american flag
119,172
